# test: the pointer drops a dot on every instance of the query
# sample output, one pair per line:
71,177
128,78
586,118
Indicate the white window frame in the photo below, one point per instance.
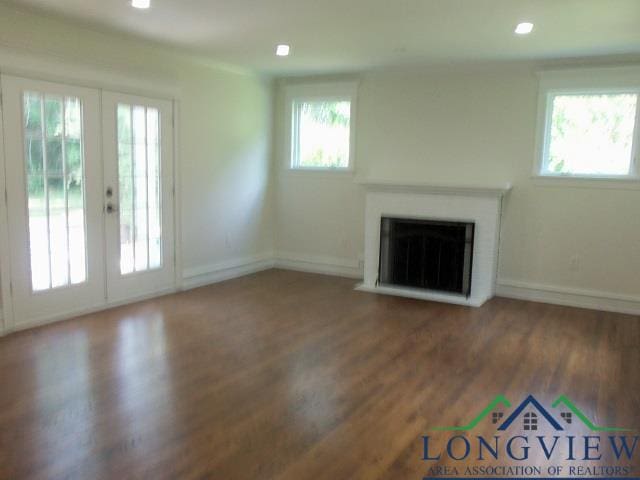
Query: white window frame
613,80
318,92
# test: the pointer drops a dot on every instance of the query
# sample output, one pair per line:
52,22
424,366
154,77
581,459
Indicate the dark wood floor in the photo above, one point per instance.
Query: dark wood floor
292,376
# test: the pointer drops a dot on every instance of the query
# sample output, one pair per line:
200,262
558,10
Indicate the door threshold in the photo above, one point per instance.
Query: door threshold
38,322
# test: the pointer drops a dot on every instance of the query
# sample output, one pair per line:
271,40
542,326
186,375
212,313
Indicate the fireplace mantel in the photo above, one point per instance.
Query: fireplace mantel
498,190
479,204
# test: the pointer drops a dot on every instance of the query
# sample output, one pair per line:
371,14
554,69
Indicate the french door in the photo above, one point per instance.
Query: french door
89,197
138,172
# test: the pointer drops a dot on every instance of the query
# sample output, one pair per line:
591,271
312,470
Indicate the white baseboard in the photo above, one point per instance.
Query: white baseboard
208,274
218,272
572,297
340,267
191,278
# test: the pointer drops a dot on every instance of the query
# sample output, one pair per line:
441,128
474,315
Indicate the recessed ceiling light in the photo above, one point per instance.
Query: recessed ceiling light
141,4
524,28
282,50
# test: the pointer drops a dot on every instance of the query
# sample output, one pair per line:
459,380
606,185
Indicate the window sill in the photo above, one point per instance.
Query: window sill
575,181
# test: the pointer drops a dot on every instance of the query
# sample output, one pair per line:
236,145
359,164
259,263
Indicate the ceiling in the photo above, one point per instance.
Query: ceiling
344,35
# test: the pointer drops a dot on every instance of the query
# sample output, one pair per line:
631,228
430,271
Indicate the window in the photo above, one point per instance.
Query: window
530,421
590,127
591,134
321,128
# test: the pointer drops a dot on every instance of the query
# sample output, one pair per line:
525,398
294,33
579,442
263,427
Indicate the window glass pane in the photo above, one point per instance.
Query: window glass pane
139,188
55,186
323,131
591,134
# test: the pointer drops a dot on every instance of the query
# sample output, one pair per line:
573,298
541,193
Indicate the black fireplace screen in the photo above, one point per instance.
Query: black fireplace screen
426,254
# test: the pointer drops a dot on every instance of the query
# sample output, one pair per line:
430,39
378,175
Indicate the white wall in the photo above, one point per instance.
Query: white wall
320,222
474,125
225,173
467,125
224,124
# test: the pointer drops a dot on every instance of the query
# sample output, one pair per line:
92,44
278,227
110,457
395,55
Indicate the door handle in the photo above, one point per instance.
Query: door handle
110,208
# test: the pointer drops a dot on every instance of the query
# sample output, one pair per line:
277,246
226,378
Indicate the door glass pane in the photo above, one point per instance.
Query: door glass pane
54,156
33,154
58,240
33,114
55,186
126,241
72,118
77,259
38,233
140,248
53,116
139,188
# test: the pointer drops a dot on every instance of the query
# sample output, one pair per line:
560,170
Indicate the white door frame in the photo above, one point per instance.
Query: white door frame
39,67
6,320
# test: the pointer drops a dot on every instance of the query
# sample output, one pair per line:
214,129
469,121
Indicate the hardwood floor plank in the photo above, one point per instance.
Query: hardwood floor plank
288,375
